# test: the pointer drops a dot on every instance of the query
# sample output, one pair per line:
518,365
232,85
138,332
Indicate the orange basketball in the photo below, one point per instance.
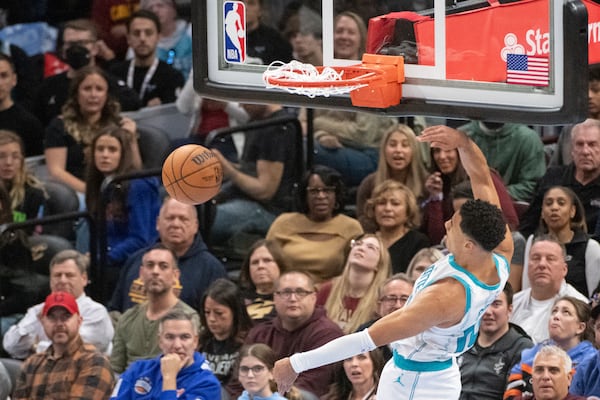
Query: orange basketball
192,174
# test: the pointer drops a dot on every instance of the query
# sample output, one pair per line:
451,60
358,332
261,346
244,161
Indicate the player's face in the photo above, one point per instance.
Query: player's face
143,37
594,99
550,381
8,80
177,224
446,160
362,261
11,161
391,209
178,337
586,149
346,38
219,318
255,377
359,370
263,270
547,266
61,326
393,297
291,306
66,277
455,237
557,210
107,154
564,325
92,94
320,199
398,153
495,318
158,271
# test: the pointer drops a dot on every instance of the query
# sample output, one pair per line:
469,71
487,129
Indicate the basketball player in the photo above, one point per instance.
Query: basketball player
441,318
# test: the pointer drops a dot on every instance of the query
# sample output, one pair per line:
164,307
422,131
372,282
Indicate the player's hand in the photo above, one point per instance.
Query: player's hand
434,184
444,137
284,375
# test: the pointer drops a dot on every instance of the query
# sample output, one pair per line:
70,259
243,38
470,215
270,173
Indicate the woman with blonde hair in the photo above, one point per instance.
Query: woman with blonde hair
399,159
26,192
393,210
351,298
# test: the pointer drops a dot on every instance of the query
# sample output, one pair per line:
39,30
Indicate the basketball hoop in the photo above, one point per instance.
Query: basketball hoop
374,83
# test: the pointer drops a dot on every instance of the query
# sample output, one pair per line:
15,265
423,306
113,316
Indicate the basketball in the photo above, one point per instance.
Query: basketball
192,174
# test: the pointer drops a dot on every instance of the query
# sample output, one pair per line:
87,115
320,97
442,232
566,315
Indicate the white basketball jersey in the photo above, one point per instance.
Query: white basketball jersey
437,345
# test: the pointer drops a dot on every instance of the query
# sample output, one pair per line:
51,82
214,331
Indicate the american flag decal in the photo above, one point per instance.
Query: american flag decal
522,69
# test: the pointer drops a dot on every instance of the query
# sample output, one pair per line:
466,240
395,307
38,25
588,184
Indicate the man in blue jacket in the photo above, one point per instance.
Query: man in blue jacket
179,373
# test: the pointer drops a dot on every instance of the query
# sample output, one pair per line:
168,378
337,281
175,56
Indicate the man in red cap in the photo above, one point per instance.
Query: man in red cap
69,368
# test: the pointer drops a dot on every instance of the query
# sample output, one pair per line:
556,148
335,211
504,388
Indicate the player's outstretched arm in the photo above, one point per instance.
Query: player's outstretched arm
475,165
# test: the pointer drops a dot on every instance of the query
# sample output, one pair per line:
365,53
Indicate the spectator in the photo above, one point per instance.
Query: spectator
69,368
400,160
178,372
27,194
392,296
13,116
587,380
485,367
350,298
582,176
80,48
131,207
562,152
447,173
177,226
563,217
515,151
258,359
315,238
89,109
175,44
225,324
6,383
546,270
207,115
303,28
552,375
422,260
347,141
265,44
261,268
111,16
260,189
357,377
393,209
569,330
155,81
300,325
68,273
136,332
349,36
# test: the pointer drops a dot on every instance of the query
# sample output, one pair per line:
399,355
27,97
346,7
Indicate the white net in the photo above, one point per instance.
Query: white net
300,74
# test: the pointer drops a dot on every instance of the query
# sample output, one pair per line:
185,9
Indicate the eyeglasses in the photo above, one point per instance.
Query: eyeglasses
287,293
391,300
315,191
369,246
256,369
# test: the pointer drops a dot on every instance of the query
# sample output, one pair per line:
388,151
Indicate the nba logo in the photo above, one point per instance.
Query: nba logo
234,24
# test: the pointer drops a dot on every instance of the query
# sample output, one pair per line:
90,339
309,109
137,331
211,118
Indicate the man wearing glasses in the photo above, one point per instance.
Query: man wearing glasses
300,325
179,372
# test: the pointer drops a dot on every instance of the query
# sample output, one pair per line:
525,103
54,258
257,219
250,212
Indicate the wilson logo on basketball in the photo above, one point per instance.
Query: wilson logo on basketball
203,157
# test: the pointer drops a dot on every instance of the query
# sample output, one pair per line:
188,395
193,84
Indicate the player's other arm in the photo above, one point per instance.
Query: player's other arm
475,164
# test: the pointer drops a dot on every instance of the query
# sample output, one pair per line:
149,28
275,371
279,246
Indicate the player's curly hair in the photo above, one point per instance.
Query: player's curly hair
483,222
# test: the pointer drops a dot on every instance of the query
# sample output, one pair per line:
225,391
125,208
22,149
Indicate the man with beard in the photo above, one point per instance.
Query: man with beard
136,334
155,81
70,368
485,367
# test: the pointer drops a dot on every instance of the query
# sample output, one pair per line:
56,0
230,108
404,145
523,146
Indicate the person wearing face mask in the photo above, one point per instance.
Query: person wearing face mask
80,48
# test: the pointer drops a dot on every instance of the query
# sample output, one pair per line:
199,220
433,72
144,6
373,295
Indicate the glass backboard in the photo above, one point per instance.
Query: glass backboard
518,61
